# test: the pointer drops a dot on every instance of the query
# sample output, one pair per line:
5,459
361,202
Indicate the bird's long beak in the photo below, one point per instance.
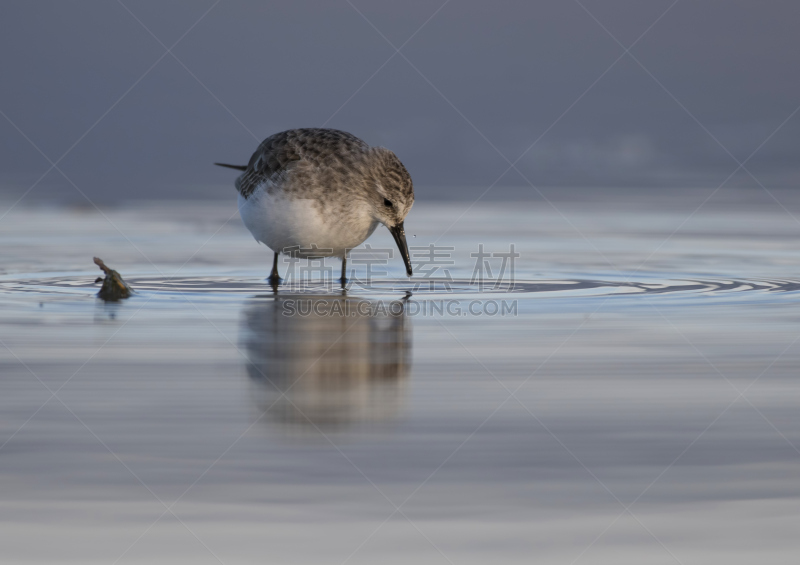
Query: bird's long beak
399,234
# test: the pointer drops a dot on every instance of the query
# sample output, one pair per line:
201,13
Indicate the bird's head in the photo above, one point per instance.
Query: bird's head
391,196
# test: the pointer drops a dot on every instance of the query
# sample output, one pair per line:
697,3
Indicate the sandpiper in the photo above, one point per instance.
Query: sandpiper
315,192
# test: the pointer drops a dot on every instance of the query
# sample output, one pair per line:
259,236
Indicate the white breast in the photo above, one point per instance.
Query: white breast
281,222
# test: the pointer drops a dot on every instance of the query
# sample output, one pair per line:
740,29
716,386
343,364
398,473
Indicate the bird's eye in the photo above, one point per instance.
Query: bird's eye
387,202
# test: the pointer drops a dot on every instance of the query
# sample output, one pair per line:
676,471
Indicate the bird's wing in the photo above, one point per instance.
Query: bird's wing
279,153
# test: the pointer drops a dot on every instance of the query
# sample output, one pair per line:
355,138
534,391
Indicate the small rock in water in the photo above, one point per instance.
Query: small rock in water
114,288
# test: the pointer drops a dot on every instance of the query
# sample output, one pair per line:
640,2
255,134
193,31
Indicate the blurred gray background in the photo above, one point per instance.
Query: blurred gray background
92,87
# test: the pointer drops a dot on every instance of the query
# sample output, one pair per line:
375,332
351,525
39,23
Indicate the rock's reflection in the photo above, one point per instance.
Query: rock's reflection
326,361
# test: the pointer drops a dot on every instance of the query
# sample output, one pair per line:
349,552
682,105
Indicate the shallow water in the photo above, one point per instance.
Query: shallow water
630,396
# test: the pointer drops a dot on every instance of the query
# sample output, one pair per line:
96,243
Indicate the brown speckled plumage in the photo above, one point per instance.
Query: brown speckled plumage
327,166
319,150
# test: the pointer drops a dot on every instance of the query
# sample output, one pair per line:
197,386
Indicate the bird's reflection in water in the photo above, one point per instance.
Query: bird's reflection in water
327,362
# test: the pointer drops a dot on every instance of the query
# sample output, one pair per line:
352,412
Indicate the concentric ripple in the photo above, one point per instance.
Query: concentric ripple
232,286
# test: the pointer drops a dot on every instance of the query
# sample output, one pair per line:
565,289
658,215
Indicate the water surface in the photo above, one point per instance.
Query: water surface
636,403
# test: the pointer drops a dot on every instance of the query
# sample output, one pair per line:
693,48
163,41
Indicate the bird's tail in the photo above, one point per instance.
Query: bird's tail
237,167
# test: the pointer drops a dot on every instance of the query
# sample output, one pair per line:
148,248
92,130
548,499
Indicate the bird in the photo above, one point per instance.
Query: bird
316,192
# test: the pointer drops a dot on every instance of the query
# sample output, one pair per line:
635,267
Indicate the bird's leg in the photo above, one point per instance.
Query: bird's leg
344,270
274,277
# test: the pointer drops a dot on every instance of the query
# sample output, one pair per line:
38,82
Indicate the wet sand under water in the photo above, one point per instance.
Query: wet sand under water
637,400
